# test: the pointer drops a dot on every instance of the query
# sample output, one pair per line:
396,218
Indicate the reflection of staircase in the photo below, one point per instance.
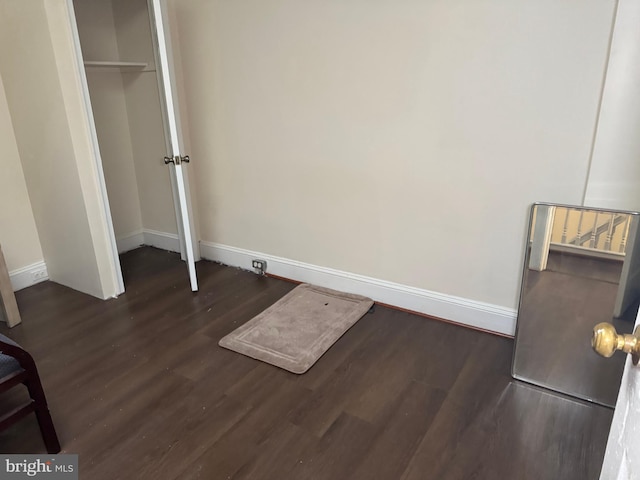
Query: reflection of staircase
593,235
590,232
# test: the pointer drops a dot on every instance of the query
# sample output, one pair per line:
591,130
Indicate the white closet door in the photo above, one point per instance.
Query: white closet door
622,456
176,158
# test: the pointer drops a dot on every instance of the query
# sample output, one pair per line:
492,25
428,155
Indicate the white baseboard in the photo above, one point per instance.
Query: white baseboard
153,238
130,241
456,309
162,240
30,275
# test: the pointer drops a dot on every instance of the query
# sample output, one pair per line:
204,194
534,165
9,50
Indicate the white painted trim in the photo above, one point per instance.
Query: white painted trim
541,240
30,275
162,240
97,158
153,238
130,241
456,309
165,69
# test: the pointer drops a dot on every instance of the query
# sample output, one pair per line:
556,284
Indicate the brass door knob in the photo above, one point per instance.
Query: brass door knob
606,340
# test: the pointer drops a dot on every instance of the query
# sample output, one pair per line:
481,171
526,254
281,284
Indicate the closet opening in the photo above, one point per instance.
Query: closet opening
126,74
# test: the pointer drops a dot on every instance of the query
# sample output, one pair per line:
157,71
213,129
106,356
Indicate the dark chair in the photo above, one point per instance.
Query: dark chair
17,367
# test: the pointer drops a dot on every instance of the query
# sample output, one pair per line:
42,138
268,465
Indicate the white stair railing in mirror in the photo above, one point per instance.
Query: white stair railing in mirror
590,232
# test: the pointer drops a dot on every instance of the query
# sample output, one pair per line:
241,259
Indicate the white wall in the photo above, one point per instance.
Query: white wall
401,140
112,126
96,29
90,174
133,33
614,177
128,116
98,39
18,234
385,138
41,80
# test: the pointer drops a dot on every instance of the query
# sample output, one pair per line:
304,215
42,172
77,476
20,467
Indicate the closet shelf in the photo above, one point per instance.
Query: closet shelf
120,65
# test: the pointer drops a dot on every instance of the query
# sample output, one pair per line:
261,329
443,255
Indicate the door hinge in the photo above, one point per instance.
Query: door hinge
176,160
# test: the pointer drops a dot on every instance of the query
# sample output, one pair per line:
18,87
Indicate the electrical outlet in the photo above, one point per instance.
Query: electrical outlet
39,275
260,266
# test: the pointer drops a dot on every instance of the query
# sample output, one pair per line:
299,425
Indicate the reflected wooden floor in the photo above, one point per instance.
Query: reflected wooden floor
560,308
140,390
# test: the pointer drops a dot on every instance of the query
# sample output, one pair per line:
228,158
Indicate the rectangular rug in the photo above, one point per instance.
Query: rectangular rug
298,329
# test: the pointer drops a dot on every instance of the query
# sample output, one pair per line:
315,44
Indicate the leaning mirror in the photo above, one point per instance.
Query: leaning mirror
582,267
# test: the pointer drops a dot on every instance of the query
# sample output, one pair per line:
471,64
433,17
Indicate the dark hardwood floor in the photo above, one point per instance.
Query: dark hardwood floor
139,388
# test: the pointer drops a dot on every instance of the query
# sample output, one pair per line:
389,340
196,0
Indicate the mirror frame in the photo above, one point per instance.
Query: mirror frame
525,265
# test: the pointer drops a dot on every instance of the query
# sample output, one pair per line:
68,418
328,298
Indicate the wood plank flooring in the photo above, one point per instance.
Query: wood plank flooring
139,388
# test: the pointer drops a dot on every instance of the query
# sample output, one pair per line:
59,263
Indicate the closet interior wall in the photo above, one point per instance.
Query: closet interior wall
117,48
